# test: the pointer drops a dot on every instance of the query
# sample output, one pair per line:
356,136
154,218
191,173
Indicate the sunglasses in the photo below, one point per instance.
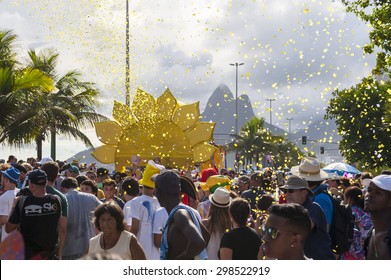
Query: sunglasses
288,190
272,232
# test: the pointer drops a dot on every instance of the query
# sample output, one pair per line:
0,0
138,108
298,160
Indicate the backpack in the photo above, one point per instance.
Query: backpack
342,227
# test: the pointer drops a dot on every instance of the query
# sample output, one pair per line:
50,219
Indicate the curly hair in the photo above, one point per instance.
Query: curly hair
113,210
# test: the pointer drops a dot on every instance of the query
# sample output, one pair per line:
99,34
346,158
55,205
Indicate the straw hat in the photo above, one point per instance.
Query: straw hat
309,169
220,198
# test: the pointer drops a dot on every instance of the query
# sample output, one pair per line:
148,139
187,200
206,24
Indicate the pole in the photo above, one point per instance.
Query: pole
236,64
289,127
127,74
270,107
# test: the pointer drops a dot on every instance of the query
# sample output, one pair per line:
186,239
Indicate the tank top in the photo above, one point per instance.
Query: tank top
122,247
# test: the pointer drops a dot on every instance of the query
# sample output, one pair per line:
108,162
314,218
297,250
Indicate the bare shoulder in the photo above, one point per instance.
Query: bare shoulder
181,217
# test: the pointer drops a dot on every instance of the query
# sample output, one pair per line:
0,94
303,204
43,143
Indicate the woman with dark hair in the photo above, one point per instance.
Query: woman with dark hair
242,242
354,198
285,232
109,219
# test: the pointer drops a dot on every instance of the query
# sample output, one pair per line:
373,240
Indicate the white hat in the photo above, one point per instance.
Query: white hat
383,182
309,169
45,160
220,197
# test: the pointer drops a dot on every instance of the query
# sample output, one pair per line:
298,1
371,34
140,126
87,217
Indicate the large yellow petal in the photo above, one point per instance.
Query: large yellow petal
108,132
144,106
187,116
166,104
105,154
122,114
202,132
203,152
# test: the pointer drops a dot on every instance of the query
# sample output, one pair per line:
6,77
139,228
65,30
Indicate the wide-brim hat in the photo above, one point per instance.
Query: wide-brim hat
310,170
11,174
151,169
188,187
220,198
216,181
296,183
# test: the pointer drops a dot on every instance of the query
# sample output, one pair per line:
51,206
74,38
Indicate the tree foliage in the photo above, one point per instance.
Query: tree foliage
362,114
377,13
35,101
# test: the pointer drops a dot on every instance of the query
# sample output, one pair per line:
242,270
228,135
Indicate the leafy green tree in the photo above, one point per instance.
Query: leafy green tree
377,13
362,114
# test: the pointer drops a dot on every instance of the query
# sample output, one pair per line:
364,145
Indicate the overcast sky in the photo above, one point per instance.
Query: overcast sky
297,52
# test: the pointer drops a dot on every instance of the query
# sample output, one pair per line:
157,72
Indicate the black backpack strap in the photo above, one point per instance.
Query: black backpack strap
387,240
366,241
22,199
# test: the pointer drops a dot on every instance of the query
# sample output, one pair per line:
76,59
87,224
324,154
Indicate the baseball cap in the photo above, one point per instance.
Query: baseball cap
168,182
38,177
383,182
73,168
45,160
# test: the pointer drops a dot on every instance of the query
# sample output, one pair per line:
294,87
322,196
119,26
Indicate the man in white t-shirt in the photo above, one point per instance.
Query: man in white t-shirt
9,180
142,211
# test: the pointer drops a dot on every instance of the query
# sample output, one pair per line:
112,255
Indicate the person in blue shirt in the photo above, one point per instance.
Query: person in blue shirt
318,244
309,169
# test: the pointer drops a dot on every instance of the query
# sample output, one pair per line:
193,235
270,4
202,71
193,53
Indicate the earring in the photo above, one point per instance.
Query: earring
291,245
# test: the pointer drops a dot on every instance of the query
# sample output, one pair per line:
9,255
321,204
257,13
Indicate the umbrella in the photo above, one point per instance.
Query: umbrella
341,169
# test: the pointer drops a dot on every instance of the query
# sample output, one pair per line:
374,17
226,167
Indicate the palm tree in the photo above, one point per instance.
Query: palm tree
31,106
68,109
287,155
252,141
7,48
255,141
18,88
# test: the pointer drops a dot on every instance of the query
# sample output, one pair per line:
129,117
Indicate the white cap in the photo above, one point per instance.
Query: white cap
45,160
383,182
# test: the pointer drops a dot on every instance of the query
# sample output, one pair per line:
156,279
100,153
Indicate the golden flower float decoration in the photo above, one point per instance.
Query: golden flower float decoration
154,128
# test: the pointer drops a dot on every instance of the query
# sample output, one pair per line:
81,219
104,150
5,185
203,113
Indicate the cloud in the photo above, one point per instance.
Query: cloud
295,51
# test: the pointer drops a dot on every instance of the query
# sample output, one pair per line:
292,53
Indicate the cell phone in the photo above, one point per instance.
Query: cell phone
280,179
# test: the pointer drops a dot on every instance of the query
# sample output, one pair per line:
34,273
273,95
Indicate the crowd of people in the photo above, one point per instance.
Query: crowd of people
71,211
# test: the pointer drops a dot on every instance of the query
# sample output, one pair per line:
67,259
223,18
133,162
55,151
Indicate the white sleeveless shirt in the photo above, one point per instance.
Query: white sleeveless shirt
122,247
